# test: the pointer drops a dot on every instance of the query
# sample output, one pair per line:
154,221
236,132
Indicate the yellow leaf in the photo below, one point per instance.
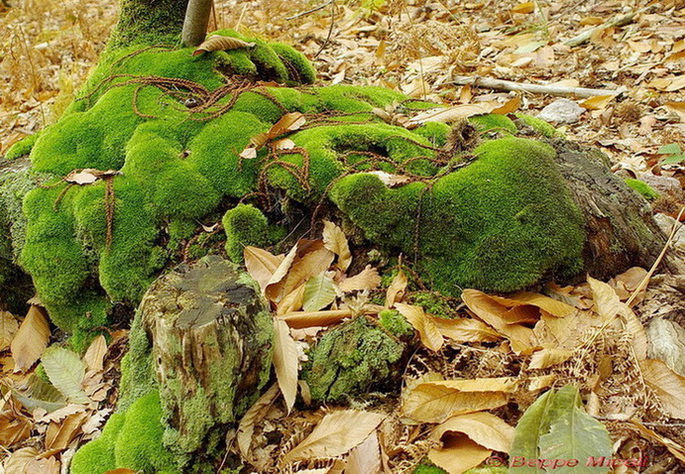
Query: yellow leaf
307,319
396,290
668,386
436,401
678,108
428,331
31,339
365,458
260,264
336,434
465,330
292,301
668,84
8,328
255,413
95,354
545,358
527,7
286,362
367,279
484,428
597,102
508,107
334,240
459,454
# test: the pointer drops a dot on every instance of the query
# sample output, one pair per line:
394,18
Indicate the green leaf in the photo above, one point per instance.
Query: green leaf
574,435
37,393
533,424
670,149
673,159
66,370
319,292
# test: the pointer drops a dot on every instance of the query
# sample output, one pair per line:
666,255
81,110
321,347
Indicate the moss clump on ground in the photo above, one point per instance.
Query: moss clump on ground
22,148
545,129
494,123
244,225
131,440
396,324
352,358
499,224
642,188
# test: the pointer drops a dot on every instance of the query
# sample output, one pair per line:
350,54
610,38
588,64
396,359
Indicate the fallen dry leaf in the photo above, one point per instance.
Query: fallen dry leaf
255,413
367,279
261,265
334,240
8,329
286,362
365,458
428,331
437,400
31,339
545,358
95,354
396,290
336,434
221,43
668,386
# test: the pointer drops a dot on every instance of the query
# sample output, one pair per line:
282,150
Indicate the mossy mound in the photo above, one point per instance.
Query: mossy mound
350,359
171,127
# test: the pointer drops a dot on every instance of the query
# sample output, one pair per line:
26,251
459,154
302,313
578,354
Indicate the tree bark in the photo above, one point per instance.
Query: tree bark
196,21
148,22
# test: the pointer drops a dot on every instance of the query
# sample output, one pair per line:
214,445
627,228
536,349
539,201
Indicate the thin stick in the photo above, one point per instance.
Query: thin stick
502,85
330,30
620,20
315,9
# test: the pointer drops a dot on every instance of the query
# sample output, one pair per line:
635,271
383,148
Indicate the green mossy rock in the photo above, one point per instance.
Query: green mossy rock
353,359
244,225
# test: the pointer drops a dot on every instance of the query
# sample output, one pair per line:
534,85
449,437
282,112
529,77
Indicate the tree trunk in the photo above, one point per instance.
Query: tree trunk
196,21
148,22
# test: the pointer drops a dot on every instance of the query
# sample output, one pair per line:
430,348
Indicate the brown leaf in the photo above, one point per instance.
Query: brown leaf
291,302
8,328
396,290
545,358
307,319
49,465
260,264
255,413
465,330
367,279
14,427
598,102
221,43
334,240
511,106
435,401
676,449
81,177
390,180
458,454
31,339
428,331
527,7
365,458
336,434
95,354
286,362
60,434
19,459
668,386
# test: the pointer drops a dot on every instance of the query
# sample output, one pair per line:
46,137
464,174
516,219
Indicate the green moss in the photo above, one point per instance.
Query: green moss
642,188
396,324
494,123
350,359
23,147
138,377
97,456
500,224
542,127
433,303
244,225
139,442
428,469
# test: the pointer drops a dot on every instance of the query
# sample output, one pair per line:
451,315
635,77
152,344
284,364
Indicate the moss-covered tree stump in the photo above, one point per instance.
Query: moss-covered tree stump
200,355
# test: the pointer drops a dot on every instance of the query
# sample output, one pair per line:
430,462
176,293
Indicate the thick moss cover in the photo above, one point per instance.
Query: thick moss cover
500,223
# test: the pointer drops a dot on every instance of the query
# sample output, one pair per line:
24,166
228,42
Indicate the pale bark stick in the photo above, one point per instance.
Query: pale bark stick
503,85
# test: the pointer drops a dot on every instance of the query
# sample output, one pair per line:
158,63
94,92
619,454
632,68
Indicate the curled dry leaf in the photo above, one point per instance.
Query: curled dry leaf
365,458
545,358
14,427
465,330
454,113
221,43
391,180
677,450
367,279
336,434
509,107
334,240
396,290
427,329
8,329
289,122
437,400
291,302
30,340
286,362
469,439
60,434
255,413
260,264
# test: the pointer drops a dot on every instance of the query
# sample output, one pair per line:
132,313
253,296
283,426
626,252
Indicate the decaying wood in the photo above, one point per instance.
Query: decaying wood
211,343
503,85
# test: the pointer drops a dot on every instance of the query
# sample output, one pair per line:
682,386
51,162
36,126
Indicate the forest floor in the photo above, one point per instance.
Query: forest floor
420,48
